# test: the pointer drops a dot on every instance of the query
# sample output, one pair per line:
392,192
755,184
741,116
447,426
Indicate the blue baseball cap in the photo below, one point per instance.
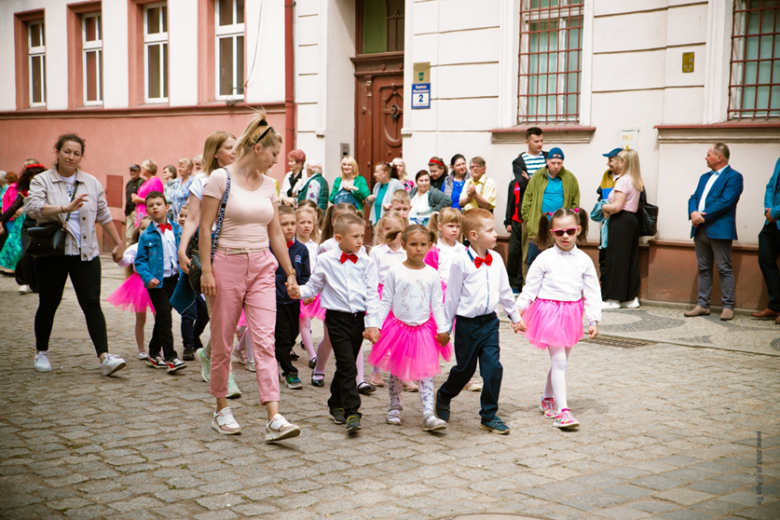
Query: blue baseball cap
555,153
613,152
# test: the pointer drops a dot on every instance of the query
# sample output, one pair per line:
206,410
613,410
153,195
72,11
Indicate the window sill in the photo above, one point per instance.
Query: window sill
554,133
767,131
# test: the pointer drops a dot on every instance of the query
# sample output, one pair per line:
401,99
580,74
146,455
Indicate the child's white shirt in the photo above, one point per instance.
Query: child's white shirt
385,258
564,276
446,256
413,294
312,246
128,257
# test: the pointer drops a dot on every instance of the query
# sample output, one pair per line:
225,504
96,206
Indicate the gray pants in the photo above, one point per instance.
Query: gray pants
711,251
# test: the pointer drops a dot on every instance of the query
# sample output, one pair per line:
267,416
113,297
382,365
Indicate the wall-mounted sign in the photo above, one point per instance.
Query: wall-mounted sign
629,138
422,72
421,95
687,62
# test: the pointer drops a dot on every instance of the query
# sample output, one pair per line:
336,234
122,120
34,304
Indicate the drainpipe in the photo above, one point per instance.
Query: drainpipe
289,77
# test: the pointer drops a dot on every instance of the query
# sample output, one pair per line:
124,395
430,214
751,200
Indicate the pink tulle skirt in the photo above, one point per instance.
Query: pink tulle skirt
131,296
550,322
313,310
242,320
410,353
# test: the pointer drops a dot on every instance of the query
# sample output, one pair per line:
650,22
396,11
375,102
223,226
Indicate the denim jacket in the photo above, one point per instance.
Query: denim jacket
149,261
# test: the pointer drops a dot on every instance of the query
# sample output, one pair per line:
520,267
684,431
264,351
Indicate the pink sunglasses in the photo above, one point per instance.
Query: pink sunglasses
560,232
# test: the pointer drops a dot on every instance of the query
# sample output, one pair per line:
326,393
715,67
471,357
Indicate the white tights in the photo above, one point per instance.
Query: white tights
556,377
305,325
323,354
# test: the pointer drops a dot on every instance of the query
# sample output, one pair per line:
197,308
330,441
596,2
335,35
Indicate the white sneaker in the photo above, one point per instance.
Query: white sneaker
112,363
250,365
633,304
607,305
279,429
42,361
25,289
224,422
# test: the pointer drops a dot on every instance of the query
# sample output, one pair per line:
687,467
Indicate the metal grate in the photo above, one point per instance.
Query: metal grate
550,61
754,86
618,342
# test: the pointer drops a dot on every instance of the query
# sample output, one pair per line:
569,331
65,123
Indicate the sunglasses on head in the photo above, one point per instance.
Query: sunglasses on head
560,232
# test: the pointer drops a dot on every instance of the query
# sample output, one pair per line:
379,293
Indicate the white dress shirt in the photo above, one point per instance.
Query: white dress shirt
170,252
385,258
447,255
413,294
348,287
707,187
312,246
473,291
563,276
128,257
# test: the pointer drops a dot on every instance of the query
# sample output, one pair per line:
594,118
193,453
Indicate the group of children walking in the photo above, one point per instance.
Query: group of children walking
417,288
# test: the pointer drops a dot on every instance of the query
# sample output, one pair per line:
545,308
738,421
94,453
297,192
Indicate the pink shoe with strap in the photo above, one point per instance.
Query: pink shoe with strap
548,407
565,420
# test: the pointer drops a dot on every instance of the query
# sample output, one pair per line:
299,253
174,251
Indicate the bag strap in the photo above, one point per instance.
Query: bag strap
221,215
73,196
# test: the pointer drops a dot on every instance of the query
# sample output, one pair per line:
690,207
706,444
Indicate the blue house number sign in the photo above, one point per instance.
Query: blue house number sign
421,95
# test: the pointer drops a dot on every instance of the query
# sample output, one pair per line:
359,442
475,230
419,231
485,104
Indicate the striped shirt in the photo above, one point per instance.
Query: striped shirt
533,162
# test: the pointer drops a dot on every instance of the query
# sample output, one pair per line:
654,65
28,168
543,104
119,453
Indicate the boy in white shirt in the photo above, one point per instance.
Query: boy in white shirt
346,278
478,281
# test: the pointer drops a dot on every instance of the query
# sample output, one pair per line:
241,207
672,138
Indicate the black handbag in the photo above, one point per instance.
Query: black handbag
49,239
193,248
648,217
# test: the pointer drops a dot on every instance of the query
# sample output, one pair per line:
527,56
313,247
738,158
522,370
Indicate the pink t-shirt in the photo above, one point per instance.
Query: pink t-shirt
624,185
247,213
153,184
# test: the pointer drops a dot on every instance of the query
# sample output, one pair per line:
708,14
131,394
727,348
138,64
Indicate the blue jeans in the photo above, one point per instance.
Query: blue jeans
193,323
533,252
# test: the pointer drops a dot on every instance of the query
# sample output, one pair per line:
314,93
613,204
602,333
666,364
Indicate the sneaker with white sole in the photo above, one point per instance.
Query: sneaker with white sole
112,363
548,407
25,289
224,422
431,423
156,362
394,416
205,364
42,363
175,364
142,356
233,390
633,304
565,420
250,365
278,429
609,305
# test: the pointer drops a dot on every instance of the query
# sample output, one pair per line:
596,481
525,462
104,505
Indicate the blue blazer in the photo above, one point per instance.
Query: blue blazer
149,260
720,219
772,196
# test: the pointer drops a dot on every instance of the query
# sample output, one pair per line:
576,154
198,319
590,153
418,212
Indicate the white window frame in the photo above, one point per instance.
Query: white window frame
35,52
155,39
86,48
233,31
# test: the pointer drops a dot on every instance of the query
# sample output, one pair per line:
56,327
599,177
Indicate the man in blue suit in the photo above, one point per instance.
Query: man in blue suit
713,210
769,246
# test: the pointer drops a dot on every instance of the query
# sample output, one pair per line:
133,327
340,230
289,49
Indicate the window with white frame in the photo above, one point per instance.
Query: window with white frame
230,48
550,70
36,50
92,51
156,52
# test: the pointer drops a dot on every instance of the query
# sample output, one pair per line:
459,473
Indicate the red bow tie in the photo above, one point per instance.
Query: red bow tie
163,227
290,243
345,257
479,261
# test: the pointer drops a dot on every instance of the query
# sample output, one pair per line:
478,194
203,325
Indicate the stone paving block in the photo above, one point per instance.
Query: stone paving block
715,487
654,506
679,460
628,491
717,507
683,496
224,514
688,474
143,502
686,514
747,499
601,499
759,513
177,495
625,472
621,513
31,512
657,482
220,501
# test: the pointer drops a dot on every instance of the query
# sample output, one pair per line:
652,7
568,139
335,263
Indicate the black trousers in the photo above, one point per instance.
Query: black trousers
476,339
287,328
52,273
621,277
345,330
768,252
193,322
514,259
25,269
162,334
602,266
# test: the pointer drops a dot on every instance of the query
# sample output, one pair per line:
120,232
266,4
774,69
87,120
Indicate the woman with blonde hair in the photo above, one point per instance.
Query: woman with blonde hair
350,187
621,276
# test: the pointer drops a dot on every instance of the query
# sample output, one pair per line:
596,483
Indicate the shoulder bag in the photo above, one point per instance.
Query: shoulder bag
648,217
49,239
193,251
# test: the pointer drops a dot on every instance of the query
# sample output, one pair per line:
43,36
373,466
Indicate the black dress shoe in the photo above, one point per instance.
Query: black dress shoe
366,389
318,382
189,354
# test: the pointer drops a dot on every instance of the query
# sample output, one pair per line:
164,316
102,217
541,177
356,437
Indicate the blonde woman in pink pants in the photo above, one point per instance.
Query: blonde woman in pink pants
241,274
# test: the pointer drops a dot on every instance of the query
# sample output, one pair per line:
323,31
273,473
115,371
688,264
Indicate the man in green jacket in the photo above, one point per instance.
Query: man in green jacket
550,189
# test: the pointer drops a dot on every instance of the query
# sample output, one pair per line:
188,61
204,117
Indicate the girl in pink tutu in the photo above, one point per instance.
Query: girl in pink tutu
386,253
560,283
446,225
132,295
308,234
414,331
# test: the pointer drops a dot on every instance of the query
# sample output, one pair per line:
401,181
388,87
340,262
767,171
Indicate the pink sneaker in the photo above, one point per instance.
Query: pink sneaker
548,407
565,420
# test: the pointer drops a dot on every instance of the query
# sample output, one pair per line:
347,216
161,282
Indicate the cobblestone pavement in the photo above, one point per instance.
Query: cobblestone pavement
667,431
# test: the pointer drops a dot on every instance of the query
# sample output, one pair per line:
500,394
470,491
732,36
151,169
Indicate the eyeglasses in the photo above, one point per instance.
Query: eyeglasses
560,232
475,167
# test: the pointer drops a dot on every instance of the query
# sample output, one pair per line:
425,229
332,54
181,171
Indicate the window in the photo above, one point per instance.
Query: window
36,50
156,52
754,88
230,49
382,26
92,51
550,68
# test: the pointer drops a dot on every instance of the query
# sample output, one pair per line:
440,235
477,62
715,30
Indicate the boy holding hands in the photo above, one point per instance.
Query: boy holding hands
478,282
347,279
157,263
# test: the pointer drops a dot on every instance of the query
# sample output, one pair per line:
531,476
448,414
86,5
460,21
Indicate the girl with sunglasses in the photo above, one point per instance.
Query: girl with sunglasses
561,285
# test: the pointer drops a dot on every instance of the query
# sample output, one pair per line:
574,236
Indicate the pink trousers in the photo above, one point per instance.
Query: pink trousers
244,282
